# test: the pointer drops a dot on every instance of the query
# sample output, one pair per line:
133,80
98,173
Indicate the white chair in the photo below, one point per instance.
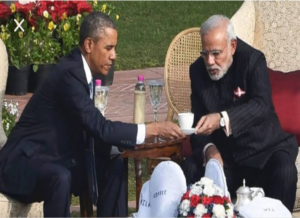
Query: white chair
8,206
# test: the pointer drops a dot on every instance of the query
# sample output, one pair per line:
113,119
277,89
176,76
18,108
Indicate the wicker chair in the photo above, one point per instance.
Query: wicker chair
184,50
262,24
10,207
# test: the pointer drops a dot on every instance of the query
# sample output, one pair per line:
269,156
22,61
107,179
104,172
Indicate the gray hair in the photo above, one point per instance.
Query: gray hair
218,21
93,26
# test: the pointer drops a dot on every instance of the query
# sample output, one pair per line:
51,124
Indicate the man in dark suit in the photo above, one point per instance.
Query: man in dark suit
235,118
44,157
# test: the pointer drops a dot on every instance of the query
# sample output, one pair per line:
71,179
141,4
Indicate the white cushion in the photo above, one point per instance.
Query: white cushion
144,204
167,185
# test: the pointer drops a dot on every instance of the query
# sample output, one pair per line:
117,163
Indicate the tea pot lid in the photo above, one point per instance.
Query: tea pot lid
244,189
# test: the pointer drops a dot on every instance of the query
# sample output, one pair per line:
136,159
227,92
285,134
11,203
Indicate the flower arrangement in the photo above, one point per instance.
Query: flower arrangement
51,28
9,115
205,199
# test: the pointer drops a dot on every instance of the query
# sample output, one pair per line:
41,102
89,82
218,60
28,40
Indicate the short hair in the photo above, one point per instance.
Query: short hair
93,26
218,21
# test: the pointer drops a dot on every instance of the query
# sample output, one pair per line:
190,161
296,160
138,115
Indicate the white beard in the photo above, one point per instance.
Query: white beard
222,70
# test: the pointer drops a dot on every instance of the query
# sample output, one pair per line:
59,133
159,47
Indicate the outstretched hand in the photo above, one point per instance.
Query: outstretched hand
207,124
165,129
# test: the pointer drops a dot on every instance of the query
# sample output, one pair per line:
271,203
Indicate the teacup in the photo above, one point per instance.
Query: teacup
186,120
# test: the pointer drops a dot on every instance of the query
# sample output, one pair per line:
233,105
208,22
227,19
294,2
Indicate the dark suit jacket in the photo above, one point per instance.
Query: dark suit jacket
255,126
54,127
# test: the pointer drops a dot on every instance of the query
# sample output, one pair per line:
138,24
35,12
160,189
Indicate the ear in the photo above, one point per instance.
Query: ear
88,45
233,45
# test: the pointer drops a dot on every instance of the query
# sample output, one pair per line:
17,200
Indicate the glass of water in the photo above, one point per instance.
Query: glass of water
155,92
101,98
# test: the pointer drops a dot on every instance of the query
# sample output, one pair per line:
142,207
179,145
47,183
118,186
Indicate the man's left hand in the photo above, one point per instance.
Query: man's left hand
207,124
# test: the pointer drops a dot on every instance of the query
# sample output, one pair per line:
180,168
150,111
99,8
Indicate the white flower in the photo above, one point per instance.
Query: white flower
218,191
209,190
219,211
206,181
184,207
7,126
200,210
195,190
46,14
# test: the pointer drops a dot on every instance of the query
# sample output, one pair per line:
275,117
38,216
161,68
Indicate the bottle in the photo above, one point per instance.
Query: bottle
97,96
139,101
98,83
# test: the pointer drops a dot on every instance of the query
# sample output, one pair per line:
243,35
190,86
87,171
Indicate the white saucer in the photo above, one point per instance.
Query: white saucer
189,131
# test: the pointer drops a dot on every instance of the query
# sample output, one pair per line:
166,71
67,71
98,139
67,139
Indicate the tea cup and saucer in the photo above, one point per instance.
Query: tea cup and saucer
186,121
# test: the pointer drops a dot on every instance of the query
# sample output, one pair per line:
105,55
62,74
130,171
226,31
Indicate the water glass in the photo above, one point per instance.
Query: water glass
101,98
155,92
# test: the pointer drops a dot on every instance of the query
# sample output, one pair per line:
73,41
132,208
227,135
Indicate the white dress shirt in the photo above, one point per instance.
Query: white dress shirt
141,133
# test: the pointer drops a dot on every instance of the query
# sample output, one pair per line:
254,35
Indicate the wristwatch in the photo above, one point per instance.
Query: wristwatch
222,121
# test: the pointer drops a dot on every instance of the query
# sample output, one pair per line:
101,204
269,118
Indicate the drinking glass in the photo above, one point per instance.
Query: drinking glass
155,87
101,98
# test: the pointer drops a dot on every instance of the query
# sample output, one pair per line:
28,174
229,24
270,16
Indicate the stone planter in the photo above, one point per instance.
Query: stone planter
17,80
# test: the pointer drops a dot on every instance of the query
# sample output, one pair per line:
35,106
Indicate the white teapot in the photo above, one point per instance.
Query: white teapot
245,195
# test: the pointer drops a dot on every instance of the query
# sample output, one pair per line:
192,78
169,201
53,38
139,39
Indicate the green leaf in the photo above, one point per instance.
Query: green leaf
35,68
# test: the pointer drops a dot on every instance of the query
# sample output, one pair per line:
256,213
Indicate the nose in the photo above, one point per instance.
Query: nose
210,60
113,55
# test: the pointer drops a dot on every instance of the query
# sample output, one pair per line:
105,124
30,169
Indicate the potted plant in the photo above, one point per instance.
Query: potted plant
44,49
17,46
51,30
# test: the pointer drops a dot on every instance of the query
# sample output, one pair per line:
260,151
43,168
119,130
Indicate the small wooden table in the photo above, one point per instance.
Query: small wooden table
151,148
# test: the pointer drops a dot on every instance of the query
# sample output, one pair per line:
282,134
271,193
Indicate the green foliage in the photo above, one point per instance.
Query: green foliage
16,42
43,47
147,28
51,29
9,115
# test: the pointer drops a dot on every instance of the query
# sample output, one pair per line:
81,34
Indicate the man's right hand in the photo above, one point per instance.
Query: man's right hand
213,152
165,129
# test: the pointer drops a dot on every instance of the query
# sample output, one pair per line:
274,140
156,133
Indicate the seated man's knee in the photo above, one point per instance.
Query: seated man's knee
284,168
63,177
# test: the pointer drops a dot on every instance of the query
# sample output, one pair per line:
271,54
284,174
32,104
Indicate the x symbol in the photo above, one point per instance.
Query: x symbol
19,25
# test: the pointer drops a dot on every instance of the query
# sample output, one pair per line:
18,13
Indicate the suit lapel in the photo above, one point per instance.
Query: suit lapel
79,73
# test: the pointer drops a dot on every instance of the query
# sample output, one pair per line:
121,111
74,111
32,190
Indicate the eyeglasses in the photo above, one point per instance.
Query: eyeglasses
215,53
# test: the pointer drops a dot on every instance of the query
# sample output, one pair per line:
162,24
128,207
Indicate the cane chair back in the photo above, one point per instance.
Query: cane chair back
182,52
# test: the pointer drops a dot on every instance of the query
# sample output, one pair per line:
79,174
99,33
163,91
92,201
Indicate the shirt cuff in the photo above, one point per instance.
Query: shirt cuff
227,128
141,134
204,151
